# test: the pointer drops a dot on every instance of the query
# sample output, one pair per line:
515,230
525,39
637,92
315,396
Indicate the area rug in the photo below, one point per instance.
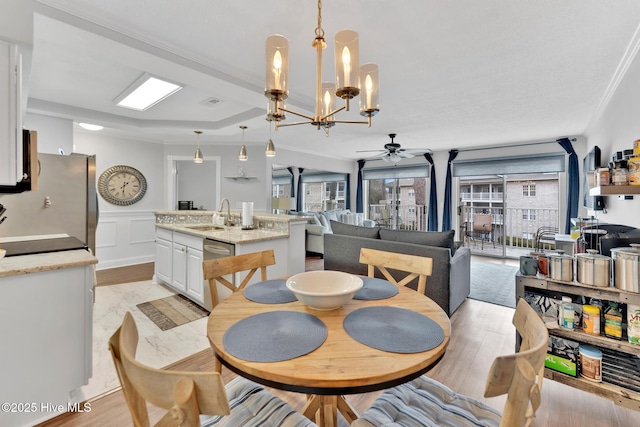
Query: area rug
493,283
172,311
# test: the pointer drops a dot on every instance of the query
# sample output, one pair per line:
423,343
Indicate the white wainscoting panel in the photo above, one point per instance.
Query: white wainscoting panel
125,238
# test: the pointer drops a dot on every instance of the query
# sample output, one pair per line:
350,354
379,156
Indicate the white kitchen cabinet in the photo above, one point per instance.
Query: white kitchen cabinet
179,263
163,259
195,281
179,267
47,337
10,114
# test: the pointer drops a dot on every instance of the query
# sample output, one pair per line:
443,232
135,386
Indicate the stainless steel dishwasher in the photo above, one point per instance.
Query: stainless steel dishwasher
213,249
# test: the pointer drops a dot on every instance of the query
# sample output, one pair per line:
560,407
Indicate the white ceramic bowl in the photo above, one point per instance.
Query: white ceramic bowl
324,289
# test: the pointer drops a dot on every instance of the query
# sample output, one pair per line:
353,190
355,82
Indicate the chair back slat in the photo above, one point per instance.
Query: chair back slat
215,269
135,402
415,266
516,374
180,392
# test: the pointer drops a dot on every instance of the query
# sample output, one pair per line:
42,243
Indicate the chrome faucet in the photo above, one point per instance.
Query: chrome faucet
228,220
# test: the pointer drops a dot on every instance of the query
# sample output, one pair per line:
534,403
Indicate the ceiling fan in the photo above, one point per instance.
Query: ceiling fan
393,152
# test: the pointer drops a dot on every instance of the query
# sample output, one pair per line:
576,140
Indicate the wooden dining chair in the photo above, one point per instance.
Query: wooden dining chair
415,266
518,375
193,398
215,270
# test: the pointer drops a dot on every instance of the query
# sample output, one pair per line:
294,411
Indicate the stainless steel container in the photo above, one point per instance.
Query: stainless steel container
626,268
561,267
594,269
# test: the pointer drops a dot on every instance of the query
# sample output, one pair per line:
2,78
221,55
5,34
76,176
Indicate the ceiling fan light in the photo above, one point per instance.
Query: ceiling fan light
270,151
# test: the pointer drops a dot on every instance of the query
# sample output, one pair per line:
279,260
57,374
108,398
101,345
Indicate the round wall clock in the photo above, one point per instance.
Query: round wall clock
122,185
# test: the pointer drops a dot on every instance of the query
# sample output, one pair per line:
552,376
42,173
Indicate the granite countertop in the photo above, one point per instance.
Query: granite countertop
259,215
25,264
234,235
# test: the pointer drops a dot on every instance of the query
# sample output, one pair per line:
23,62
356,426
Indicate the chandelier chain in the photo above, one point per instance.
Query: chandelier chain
319,30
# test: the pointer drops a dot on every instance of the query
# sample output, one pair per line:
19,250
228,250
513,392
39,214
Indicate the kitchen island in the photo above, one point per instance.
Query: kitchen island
46,309
186,238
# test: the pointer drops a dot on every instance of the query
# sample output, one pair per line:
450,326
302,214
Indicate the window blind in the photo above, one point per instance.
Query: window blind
398,172
323,177
541,163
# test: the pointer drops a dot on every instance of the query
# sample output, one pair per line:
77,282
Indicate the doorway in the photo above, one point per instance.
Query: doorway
189,181
518,205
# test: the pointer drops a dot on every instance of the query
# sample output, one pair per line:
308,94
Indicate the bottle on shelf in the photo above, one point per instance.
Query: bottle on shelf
566,313
613,321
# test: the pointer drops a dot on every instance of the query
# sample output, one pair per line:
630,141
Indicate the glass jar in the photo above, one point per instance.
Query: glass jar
620,174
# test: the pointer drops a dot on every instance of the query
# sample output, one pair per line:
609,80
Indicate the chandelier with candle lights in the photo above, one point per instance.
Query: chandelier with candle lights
349,77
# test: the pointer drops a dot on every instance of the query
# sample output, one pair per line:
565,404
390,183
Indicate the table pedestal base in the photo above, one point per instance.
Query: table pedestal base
324,410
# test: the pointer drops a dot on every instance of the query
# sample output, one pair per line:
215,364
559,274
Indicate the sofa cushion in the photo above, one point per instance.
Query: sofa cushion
324,221
334,215
355,230
316,218
441,239
352,218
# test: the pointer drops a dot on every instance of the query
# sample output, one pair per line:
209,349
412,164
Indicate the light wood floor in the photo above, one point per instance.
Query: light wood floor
480,332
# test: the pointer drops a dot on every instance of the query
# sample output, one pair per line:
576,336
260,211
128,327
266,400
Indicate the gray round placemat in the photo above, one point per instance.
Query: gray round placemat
274,336
374,288
270,292
393,329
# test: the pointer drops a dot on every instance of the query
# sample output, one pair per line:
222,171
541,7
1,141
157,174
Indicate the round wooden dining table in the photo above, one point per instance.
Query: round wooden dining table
341,365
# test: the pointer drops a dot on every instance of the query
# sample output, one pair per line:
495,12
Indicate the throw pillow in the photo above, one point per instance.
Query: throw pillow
442,239
355,230
352,218
316,220
323,221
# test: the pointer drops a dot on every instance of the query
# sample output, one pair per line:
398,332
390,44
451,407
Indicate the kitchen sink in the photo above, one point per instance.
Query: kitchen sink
205,227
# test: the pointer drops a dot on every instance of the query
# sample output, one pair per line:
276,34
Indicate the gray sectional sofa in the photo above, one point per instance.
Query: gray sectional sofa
320,224
450,281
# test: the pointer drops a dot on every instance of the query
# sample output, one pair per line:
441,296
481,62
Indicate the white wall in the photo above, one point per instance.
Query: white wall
237,191
54,134
125,234
616,130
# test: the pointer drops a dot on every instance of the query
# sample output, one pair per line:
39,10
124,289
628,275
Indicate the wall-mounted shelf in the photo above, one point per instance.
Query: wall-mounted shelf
241,178
614,190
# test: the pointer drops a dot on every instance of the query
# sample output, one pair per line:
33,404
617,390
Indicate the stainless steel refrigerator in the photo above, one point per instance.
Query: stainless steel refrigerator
64,203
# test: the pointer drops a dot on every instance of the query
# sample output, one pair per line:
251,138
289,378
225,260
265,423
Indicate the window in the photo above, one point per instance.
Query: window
324,191
529,190
529,214
280,184
397,197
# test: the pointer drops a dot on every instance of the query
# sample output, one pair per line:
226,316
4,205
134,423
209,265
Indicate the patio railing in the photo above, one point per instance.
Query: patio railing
406,217
513,230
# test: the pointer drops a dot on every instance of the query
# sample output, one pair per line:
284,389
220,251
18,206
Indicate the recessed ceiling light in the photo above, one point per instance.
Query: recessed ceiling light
89,126
146,92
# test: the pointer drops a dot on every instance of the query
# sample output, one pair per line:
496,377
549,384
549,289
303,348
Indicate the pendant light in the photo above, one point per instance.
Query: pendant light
197,157
270,151
243,150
